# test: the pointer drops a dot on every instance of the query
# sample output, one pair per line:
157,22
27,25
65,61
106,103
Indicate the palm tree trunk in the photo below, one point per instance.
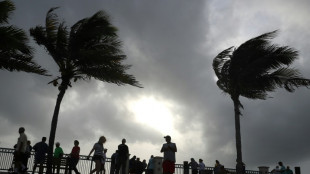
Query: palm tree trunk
239,166
62,89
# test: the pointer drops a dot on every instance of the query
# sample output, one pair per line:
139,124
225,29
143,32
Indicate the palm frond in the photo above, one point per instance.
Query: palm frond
62,41
15,53
220,59
6,9
116,75
51,25
20,62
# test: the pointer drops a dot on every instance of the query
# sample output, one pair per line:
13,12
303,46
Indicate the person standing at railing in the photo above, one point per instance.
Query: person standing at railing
217,167
98,155
40,149
58,154
20,152
194,166
150,165
201,166
114,158
123,153
74,158
169,149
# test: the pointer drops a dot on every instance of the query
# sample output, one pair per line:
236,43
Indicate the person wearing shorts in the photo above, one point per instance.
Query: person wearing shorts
98,155
169,149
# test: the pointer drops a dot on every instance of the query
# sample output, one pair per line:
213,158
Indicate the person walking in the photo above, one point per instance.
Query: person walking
169,149
123,153
74,158
40,149
98,154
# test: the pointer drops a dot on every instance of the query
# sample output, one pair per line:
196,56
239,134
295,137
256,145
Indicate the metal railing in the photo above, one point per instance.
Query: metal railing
85,165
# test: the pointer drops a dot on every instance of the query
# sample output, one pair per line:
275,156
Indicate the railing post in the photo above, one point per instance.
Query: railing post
263,170
186,167
158,165
297,170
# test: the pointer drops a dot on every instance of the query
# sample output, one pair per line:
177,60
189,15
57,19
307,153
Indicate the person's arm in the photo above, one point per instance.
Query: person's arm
90,152
173,147
20,147
162,149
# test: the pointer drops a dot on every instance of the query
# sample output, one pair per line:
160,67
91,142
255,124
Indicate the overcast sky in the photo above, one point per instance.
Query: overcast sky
171,46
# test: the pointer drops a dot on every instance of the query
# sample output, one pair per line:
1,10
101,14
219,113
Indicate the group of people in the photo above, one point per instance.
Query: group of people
197,167
23,150
119,158
280,169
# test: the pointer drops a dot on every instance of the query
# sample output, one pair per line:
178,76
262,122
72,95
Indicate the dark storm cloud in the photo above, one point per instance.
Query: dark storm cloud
171,45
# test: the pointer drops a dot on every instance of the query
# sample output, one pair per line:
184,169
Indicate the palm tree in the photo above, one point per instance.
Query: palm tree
252,70
91,49
15,54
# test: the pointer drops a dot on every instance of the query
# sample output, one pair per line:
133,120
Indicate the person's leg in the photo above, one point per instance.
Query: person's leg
118,166
41,167
34,167
124,166
75,162
58,164
97,166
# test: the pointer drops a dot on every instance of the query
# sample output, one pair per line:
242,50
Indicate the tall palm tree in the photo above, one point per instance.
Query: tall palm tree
15,53
91,49
252,70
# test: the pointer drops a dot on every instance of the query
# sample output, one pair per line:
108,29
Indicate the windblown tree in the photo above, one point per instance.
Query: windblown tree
15,53
252,70
91,49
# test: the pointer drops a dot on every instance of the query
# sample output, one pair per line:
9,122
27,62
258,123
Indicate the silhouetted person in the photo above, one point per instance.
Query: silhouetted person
114,159
20,151
169,149
282,167
201,166
58,153
150,165
194,166
123,153
98,155
217,167
139,166
74,157
132,165
40,149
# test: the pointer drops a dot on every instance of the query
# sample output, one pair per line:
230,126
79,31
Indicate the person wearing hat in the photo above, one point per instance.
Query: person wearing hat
169,149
